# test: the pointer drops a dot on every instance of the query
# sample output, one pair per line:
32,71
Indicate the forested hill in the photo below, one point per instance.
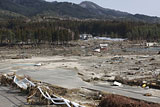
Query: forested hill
29,8
40,7
64,31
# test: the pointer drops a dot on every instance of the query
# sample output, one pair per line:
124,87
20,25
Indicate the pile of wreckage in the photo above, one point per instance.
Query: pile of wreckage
38,93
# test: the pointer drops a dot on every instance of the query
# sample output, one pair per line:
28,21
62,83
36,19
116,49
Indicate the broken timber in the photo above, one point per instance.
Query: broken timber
43,92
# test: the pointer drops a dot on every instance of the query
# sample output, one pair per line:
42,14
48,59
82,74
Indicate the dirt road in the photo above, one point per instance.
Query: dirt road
10,97
63,71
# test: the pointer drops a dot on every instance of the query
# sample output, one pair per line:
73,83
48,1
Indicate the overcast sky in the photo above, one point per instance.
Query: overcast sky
147,7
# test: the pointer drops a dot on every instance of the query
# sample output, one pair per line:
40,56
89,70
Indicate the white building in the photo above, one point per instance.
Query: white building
86,36
102,46
151,44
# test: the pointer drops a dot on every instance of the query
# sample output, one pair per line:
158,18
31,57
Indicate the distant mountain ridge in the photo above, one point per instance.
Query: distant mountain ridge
114,14
94,8
86,9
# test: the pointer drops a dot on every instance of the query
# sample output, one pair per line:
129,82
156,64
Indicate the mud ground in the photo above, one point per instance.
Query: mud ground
77,65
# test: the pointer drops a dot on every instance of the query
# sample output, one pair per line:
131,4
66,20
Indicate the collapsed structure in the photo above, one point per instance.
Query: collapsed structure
37,92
